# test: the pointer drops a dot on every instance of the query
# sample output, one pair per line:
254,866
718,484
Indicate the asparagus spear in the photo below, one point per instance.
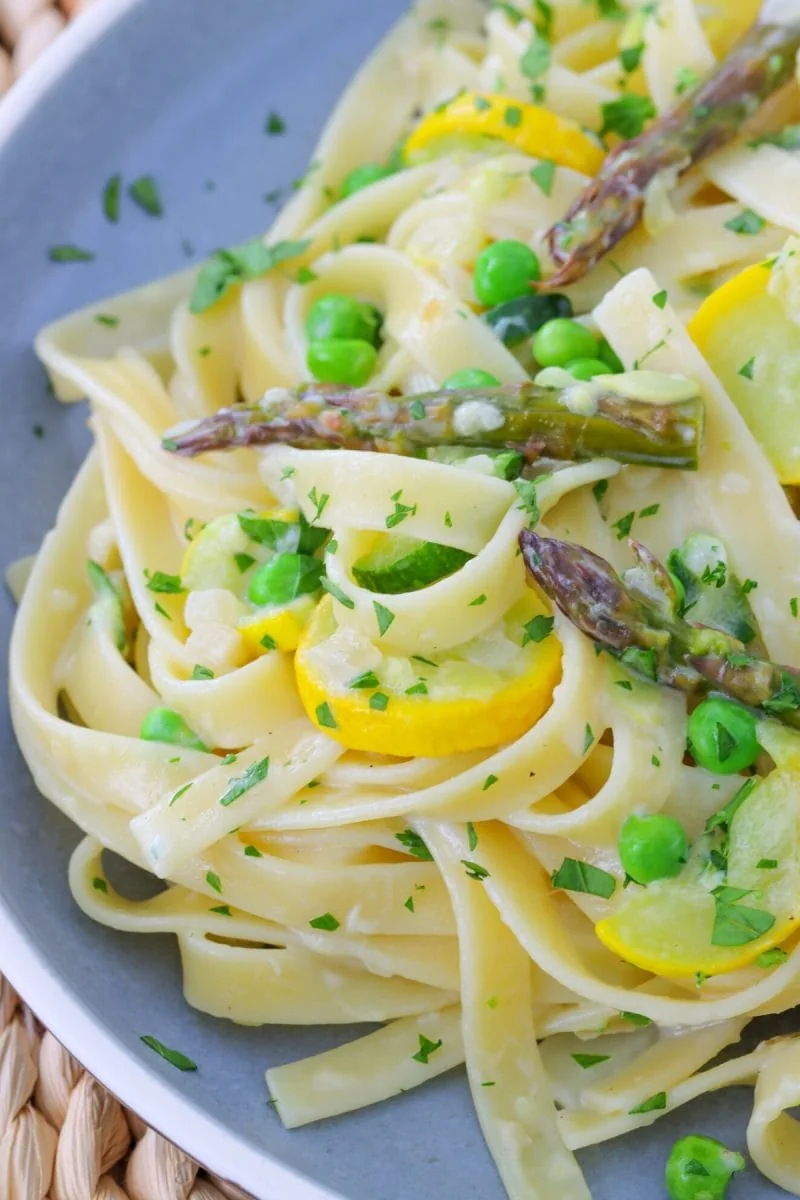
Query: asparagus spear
534,420
637,620
703,121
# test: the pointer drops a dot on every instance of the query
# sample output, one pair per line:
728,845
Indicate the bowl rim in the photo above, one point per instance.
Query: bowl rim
120,1070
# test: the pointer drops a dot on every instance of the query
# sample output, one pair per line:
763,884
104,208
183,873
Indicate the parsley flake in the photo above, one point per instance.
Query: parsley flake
160,581
624,525
327,922
144,192
537,629
214,882
478,600
227,268
653,1104
173,1057
747,371
414,844
589,1060
544,176
426,1049
379,701
536,59
626,116
275,124
384,617
337,593
574,875
488,782
472,836
747,222
475,870
660,298
324,716
67,253
111,198
254,774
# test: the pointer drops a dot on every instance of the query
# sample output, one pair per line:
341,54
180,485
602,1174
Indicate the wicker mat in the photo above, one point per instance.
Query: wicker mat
62,1135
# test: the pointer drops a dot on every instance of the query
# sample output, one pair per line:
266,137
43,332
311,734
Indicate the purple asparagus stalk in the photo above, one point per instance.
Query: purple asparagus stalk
639,623
704,120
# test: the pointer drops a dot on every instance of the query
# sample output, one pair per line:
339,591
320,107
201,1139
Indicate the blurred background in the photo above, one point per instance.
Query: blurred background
27,27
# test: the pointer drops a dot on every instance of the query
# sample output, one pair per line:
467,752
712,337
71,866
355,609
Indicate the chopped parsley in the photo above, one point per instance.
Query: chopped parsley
243,561
68,253
254,774
736,924
650,511
319,503
224,910
478,600
420,688
384,616
653,1104
227,268
414,844
660,298
100,885
625,684
574,875
589,1060
401,511
174,1057
409,904
588,738
180,792
368,679
472,836
544,176
512,115
214,882
536,59
336,592
626,116
111,198
253,852
746,222
379,702
488,782
766,864
144,192
475,870
537,629
426,1049
324,716
160,581
748,369
275,124
635,1018
655,761
631,56
327,922
793,606
599,489
268,642
624,525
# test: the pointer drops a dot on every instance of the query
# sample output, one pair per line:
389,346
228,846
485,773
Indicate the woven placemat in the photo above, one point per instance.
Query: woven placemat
62,1135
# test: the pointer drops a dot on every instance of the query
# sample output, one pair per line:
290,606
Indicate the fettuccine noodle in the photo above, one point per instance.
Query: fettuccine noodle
342,882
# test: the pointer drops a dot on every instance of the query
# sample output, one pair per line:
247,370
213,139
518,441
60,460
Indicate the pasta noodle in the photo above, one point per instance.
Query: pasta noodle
310,874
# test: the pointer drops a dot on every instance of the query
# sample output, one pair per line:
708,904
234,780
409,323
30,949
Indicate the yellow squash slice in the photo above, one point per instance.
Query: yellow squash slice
667,927
482,694
527,127
753,347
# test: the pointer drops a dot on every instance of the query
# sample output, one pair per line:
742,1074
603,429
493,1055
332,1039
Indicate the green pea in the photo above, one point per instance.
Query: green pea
700,1168
722,736
283,578
562,341
587,368
471,377
607,354
504,271
652,847
165,725
348,361
339,316
363,176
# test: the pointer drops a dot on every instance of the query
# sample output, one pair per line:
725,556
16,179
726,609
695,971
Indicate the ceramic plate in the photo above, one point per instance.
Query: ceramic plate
181,90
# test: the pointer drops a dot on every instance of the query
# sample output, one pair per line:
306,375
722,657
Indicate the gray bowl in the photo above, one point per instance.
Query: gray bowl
181,90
